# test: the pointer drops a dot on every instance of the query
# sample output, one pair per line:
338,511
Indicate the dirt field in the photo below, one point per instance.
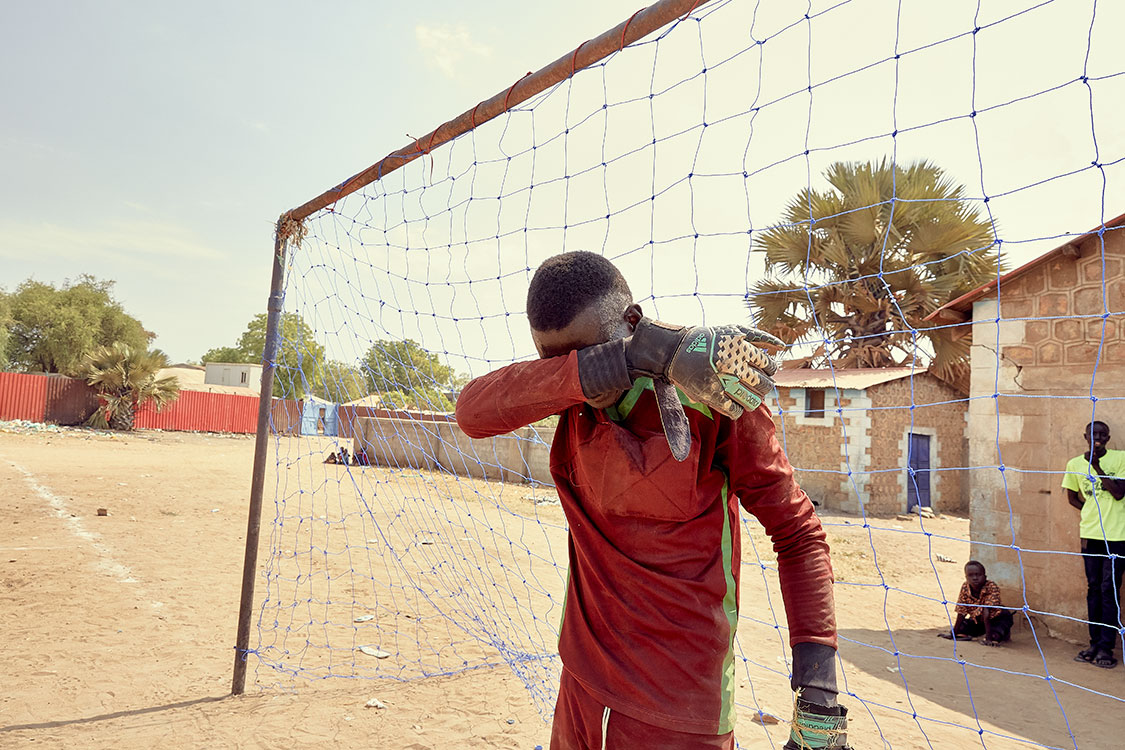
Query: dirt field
117,631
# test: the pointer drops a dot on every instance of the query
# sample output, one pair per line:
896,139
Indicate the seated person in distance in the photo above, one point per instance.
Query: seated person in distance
338,457
978,609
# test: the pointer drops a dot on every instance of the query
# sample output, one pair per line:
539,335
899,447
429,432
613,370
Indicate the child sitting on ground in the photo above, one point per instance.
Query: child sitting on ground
339,457
978,609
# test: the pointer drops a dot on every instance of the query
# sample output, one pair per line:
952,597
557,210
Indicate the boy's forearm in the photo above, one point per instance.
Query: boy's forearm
805,572
762,478
804,568
804,565
1110,484
518,395
1114,486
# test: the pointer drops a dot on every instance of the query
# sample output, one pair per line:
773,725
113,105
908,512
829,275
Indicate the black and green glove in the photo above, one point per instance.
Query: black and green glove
724,367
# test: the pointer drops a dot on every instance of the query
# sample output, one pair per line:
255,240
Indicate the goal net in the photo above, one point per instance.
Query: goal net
696,158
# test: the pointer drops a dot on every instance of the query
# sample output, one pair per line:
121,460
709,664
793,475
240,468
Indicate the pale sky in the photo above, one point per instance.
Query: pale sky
156,143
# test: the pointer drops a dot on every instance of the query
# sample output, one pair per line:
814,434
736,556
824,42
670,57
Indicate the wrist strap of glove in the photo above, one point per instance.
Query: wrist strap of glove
602,369
673,420
652,346
814,666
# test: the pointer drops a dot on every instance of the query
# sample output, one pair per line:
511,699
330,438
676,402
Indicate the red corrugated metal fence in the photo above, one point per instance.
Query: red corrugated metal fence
285,417
23,396
67,401
204,412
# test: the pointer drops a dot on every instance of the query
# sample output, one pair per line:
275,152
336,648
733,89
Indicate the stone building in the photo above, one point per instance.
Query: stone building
855,435
1048,356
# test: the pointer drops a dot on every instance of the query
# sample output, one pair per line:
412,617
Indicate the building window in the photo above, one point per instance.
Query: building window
814,402
244,377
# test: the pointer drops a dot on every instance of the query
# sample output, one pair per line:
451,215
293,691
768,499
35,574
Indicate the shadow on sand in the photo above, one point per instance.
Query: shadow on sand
113,715
1006,687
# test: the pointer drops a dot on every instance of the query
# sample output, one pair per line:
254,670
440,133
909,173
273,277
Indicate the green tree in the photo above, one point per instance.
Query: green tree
339,382
52,329
126,380
299,358
5,323
885,247
427,399
231,355
403,365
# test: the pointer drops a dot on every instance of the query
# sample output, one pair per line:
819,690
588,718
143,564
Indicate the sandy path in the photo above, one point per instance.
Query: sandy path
117,631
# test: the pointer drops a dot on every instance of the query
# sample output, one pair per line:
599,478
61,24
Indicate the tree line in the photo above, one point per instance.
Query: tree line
851,271
80,330
401,372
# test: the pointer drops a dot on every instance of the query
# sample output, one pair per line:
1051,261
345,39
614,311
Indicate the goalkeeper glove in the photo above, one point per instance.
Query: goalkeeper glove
723,367
720,366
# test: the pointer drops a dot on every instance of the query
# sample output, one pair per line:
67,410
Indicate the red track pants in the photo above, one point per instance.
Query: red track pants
583,723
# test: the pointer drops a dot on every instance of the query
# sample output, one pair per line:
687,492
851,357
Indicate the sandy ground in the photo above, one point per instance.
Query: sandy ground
118,631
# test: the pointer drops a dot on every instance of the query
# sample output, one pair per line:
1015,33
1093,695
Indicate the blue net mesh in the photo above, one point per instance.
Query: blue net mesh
678,157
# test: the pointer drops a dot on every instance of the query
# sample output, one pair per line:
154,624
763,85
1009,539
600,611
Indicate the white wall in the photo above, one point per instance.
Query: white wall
236,375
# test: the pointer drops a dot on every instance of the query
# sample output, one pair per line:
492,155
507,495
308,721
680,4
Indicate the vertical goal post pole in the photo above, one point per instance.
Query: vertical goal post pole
261,441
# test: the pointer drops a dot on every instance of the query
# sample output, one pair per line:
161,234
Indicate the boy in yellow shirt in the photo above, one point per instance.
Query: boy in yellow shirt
1095,485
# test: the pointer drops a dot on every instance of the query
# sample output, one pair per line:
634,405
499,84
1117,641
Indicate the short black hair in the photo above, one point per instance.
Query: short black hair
975,564
565,285
1094,424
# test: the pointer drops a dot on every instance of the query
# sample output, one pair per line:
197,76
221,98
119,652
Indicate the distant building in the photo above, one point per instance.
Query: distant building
370,401
194,378
1048,356
189,376
855,435
236,375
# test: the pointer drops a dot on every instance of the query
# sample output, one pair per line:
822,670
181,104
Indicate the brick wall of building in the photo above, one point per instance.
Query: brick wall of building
939,411
1034,372
867,438
815,446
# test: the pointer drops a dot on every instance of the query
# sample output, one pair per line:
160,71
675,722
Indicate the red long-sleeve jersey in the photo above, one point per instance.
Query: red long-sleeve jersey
652,601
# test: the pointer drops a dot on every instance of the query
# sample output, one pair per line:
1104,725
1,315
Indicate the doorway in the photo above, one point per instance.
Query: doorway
918,483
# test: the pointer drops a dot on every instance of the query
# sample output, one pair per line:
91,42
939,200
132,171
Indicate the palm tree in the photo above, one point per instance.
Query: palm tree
861,265
126,379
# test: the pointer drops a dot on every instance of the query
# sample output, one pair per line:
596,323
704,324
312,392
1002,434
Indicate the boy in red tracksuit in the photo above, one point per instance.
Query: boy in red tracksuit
650,478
